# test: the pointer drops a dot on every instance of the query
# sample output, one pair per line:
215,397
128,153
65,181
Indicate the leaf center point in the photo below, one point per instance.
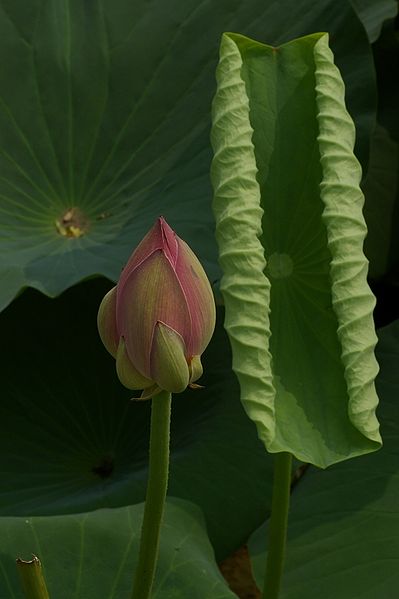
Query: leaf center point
73,223
279,266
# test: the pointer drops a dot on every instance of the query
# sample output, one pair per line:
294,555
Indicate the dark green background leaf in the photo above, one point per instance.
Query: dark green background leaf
105,107
386,56
381,191
71,441
343,538
93,555
383,208
373,14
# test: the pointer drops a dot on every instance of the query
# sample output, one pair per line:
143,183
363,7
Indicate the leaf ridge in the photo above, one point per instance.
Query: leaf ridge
238,228
352,300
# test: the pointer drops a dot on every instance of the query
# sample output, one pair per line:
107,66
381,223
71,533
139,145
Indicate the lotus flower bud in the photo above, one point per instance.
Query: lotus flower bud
160,317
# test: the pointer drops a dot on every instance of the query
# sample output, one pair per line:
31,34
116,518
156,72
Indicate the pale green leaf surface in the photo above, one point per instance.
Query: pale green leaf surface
93,555
315,397
343,531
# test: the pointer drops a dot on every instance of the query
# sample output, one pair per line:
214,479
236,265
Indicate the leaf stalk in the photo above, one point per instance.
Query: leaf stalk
32,579
156,494
278,525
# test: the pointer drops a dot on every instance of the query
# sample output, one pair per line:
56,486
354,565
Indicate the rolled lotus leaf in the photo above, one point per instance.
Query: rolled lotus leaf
290,230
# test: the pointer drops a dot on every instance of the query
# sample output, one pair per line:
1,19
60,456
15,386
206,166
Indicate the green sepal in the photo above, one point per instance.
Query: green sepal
106,322
147,393
195,368
169,366
128,375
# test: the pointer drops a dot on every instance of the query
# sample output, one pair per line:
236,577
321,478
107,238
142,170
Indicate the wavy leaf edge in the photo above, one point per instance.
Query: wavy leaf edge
254,371
356,332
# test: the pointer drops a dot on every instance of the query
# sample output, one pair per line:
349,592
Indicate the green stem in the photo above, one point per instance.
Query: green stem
156,493
278,525
32,579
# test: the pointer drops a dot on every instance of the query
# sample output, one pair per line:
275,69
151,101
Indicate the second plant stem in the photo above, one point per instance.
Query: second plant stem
32,578
278,525
156,493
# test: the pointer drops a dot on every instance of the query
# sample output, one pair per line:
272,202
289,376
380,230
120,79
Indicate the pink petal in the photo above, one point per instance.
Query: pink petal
199,297
170,241
150,294
160,237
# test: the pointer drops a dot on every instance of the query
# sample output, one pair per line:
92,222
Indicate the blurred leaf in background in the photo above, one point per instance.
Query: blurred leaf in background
103,130
93,554
374,14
